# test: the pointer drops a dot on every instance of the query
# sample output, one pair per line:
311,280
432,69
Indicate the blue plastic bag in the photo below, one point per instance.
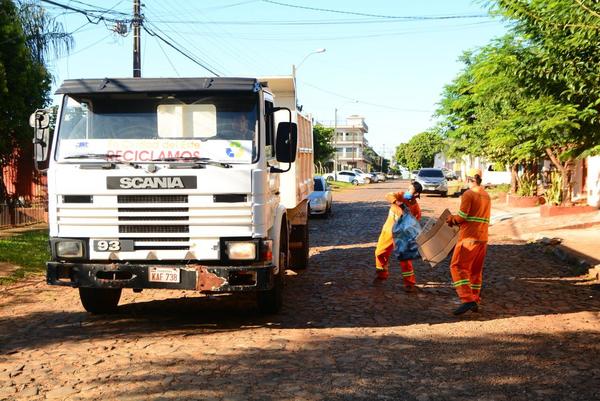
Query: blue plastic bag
404,232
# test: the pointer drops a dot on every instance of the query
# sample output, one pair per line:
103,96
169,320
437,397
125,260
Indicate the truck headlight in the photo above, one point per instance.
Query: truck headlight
69,248
240,250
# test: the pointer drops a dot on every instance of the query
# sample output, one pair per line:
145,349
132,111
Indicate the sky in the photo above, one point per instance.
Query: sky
390,70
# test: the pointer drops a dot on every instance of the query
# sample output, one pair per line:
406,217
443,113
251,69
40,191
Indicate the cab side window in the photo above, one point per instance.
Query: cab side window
269,129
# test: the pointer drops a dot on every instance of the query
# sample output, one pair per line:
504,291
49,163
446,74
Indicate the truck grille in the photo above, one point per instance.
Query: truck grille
150,244
153,229
152,198
152,218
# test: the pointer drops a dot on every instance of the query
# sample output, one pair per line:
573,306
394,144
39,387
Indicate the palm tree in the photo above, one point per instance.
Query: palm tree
44,34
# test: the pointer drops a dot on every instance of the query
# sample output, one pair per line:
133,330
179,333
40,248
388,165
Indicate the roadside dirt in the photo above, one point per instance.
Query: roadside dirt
339,337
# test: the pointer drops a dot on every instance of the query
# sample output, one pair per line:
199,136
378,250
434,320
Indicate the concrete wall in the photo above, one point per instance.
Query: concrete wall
593,181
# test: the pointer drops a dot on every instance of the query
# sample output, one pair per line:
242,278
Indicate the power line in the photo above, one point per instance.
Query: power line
177,49
167,57
412,17
87,13
293,37
365,102
192,46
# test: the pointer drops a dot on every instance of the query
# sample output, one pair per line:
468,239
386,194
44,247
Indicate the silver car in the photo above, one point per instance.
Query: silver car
320,200
433,181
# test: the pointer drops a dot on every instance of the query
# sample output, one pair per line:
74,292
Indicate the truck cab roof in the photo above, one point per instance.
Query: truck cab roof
141,85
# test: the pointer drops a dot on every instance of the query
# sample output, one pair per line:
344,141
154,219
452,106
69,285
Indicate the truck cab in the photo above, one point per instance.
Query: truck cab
188,183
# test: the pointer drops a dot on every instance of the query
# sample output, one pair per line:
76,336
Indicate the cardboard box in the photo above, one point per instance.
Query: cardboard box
437,242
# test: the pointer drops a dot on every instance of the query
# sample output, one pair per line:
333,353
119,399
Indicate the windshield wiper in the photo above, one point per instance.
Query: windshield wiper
192,159
91,156
108,157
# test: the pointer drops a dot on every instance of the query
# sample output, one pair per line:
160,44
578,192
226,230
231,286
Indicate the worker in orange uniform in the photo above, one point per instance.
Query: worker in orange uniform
473,219
385,244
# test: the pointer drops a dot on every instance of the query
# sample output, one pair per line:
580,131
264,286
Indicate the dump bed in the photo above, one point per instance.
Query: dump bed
297,183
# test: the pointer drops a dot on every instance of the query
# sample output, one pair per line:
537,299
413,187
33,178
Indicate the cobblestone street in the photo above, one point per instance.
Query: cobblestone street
340,336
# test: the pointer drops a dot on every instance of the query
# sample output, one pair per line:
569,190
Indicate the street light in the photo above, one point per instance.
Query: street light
317,51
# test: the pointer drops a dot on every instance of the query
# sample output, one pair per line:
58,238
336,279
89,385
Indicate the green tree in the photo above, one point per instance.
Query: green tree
561,71
322,142
24,79
420,150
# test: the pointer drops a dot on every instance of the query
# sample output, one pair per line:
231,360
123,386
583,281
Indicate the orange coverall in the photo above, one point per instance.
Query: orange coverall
466,266
385,244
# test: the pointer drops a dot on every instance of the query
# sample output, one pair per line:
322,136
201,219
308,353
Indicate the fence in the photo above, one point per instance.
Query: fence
29,187
21,216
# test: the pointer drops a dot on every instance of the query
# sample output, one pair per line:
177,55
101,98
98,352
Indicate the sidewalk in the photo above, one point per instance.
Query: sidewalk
579,234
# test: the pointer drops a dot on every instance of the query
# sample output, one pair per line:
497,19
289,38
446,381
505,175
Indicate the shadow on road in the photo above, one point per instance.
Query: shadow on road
365,368
337,291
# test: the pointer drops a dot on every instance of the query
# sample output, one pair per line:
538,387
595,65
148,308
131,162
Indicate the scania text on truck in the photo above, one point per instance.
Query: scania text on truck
188,183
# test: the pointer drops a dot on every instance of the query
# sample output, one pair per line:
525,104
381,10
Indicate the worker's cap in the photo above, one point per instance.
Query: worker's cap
473,172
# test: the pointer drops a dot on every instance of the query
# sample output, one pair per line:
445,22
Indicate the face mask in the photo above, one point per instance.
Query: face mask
408,196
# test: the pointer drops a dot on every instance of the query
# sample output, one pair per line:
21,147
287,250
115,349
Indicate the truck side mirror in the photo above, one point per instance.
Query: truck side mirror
287,142
40,121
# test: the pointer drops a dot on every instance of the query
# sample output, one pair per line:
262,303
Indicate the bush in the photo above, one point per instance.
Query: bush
553,194
527,185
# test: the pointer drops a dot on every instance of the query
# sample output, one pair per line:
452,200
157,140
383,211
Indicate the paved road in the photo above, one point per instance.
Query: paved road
339,336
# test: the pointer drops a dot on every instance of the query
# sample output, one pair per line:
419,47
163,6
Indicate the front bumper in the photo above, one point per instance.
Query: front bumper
191,276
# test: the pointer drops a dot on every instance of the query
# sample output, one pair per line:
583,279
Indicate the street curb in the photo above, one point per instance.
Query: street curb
570,257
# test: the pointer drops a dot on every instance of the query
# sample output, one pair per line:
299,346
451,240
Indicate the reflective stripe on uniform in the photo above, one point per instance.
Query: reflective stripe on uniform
473,218
475,286
461,282
408,274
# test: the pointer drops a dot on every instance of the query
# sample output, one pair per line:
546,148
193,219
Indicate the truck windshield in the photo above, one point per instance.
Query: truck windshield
145,127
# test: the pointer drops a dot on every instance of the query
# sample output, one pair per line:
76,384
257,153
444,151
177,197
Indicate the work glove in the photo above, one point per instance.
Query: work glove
450,221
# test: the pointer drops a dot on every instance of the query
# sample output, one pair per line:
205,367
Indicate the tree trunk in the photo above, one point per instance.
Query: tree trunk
566,172
514,178
6,199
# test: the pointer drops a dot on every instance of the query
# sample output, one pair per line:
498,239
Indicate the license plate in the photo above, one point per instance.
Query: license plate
158,274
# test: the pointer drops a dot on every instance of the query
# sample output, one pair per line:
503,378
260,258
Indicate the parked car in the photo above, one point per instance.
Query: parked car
374,177
433,181
379,175
449,174
365,176
320,200
345,176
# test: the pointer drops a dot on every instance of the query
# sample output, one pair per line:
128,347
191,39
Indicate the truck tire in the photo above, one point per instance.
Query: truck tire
299,257
444,194
329,178
354,182
100,300
270,301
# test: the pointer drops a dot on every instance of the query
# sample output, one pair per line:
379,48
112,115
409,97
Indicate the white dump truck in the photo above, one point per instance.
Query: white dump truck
188,183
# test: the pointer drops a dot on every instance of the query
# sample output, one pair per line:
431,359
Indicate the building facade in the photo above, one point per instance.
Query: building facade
350,143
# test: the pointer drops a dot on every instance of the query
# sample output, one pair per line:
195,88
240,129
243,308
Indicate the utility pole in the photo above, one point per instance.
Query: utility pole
137,40
382,157
335,159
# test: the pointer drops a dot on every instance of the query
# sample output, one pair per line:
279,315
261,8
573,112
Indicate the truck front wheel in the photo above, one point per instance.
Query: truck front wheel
100,300
270,301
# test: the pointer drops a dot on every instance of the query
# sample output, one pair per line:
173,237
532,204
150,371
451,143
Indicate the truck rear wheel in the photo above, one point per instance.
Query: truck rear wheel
270,301
299,254
100,300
